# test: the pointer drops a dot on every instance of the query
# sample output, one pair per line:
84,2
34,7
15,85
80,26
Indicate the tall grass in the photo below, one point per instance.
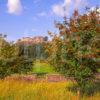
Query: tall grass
21,90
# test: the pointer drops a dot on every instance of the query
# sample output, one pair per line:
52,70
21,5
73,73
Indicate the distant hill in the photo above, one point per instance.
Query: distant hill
32,40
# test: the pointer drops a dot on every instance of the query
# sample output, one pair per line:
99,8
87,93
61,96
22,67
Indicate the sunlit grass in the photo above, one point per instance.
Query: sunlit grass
21,90
42,67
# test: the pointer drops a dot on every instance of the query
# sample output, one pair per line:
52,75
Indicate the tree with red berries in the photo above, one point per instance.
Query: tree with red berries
75,50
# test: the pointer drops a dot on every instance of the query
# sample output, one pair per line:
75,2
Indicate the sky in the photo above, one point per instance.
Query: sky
29,18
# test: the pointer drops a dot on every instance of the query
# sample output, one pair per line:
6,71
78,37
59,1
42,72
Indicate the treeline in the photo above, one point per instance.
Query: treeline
32,51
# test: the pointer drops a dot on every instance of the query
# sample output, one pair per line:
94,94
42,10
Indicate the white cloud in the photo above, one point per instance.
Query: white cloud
42,14
58,10
61,9
14,6
98,10
36,1
67,2
94,8
77,2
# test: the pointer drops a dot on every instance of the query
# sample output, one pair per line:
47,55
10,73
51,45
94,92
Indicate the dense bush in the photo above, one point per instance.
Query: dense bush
15,65
21,65
4,69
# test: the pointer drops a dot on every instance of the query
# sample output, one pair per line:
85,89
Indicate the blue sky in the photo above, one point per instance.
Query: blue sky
22,18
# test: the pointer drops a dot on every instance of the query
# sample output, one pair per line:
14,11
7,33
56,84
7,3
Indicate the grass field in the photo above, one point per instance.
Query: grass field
21,90
42,67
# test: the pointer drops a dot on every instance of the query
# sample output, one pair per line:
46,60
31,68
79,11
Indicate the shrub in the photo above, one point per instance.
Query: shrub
16,65
21,65
4,68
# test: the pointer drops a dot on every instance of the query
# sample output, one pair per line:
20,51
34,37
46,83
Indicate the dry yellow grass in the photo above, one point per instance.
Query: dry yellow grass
21,90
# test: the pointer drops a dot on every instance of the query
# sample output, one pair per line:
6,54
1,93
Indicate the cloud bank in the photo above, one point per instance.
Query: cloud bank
62,9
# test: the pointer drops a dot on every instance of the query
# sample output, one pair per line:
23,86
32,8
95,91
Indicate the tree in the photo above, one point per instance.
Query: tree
75,51
10,60
33,50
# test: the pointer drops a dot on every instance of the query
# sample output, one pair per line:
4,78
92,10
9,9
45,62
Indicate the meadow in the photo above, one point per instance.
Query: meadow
42,67
24,90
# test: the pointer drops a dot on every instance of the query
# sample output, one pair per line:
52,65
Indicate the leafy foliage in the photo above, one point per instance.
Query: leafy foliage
75,50
10,61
